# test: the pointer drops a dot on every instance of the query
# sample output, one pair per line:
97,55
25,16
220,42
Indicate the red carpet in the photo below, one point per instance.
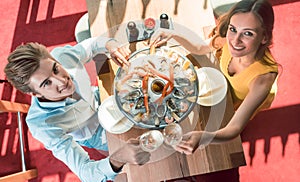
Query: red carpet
271,140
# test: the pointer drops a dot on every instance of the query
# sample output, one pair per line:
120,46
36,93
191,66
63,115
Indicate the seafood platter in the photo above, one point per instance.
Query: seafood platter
159,87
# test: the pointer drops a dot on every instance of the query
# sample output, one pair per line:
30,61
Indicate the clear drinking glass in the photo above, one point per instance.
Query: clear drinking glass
172,134
151,140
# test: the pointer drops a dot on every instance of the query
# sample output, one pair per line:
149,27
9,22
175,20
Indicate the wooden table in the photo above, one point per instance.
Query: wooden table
205,160
209,159
212,158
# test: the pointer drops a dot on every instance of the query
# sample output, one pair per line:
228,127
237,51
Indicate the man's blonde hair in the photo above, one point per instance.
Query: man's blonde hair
23,62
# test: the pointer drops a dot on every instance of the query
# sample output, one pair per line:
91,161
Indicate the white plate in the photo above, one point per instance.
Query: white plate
212,86
111,118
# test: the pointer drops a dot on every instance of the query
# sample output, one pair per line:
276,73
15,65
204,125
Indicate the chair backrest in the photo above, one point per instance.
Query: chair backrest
3,81
14,107
8,106
220,7
20,176
82,29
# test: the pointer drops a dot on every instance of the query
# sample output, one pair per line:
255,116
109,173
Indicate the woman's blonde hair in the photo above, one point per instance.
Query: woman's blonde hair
262,9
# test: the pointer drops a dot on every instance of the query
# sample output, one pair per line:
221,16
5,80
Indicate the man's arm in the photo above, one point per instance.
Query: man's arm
94,46
103,45
73,155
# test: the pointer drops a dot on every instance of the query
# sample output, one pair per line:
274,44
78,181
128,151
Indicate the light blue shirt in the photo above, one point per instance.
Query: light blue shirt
66,125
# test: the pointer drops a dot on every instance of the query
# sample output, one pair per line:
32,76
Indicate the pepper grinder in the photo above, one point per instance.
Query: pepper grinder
164,21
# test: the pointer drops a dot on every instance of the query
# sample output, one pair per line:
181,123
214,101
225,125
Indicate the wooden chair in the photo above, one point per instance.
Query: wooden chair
221,7
82,29
7,106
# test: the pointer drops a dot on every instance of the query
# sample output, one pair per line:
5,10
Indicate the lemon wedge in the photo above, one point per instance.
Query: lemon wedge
186,65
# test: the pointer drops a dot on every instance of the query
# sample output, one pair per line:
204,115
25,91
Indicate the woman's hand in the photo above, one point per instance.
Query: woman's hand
190,142
119,53
161,36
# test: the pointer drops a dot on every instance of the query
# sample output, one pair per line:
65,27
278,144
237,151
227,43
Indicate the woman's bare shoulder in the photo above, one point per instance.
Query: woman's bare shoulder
264,81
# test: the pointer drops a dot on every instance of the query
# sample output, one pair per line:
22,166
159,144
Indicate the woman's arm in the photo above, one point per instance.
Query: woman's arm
258,91
188,39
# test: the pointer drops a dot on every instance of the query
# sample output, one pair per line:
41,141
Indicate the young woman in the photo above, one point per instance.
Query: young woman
243,35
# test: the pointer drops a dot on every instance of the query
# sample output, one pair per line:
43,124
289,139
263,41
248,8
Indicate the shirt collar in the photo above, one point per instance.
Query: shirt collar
56,104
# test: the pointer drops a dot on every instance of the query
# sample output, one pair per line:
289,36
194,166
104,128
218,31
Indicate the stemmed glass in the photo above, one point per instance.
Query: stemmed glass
172,134
151,140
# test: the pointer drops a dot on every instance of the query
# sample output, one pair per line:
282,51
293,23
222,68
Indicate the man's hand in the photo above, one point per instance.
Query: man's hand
131,153
119,53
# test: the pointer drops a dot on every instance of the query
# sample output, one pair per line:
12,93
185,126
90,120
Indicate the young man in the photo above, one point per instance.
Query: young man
63,113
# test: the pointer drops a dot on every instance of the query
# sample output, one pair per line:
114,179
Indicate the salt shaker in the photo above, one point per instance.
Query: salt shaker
133,31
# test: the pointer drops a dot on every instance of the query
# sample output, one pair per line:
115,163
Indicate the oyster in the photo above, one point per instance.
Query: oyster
161,111
171,104
152,110
133,95
138,107
134,83
182,82
179,94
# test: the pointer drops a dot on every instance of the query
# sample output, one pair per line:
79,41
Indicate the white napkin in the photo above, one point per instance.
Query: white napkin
207,86
110,111
204,83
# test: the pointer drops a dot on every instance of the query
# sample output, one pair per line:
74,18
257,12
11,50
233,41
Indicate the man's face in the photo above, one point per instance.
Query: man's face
51,81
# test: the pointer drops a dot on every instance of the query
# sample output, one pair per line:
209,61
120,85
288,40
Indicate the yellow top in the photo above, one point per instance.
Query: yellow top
240,82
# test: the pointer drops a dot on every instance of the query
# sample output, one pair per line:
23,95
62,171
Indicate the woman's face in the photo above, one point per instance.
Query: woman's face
51,81
244,35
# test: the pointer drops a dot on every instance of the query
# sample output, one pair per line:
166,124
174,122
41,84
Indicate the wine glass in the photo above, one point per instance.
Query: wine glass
151,140
172,134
